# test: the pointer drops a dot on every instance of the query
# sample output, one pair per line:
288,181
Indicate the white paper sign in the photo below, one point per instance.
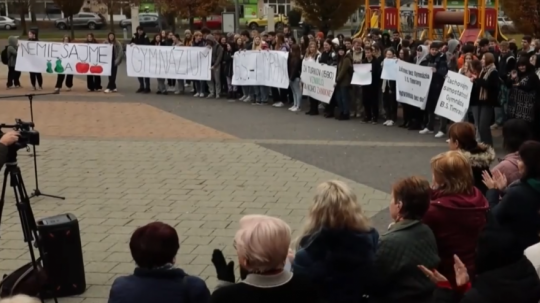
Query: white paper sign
362,74
318,80
412,84
64,58
390,69
169,62
455,97
267,68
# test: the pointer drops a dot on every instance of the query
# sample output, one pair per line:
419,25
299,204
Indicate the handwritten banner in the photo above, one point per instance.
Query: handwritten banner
268,68
390,69
64,58
412,84
318,80
455,97
169,62
362,74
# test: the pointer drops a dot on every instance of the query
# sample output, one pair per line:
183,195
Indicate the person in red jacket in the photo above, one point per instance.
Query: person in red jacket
457,212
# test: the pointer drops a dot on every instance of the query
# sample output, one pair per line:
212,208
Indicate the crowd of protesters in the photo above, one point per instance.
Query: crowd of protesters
505,79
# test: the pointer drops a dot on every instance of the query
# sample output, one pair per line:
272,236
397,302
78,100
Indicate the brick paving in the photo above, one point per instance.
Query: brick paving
104,157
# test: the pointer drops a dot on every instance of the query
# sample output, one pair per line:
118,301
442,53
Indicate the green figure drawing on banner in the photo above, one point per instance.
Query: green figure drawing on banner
49,67
58,67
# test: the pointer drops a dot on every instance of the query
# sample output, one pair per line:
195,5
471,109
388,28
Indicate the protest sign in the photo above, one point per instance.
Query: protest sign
455,97
362,74
268,68
64,58
169,62
318,80
390,69
412,84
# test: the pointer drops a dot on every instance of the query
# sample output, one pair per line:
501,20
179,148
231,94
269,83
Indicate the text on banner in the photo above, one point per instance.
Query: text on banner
318,80
455,97
170,62
267,68
412,84
64,58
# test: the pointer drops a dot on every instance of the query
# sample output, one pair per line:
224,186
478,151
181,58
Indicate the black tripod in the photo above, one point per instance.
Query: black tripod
26,215
36,192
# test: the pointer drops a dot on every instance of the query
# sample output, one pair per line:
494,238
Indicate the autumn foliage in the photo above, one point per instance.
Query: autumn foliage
524,14
190,8
327,14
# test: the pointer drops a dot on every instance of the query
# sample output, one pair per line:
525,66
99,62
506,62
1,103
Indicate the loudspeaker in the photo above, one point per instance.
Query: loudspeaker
60,241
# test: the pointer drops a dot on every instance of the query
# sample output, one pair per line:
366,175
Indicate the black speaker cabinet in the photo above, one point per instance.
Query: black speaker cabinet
60,240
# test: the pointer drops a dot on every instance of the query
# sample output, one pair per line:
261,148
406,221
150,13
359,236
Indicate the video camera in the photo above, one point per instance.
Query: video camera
27,133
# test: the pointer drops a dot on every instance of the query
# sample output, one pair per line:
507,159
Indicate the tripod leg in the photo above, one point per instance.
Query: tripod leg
3,194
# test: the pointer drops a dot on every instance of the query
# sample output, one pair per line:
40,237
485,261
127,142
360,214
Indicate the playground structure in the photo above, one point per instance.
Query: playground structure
435,23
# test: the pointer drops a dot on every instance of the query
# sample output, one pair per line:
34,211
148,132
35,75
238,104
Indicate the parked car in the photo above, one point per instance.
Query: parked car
7,23
279,21
212,22
82,20
149,21
505,24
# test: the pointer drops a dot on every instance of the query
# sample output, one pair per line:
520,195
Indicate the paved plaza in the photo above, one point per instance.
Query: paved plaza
198,164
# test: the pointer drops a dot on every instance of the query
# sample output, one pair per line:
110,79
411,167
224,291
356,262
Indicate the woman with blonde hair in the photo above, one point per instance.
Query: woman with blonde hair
457,211
262,245
337,246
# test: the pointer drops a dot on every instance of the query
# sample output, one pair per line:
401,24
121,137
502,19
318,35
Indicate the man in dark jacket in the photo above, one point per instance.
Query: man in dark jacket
140,38
6,140
437,61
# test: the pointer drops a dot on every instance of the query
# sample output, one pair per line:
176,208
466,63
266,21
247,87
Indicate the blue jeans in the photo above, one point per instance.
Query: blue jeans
342,96
483,114
296,92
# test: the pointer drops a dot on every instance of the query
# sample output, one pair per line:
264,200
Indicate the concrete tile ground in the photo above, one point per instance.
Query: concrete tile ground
151,165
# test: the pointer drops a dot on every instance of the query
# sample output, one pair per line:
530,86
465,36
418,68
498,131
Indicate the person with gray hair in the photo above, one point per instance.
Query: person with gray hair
262,245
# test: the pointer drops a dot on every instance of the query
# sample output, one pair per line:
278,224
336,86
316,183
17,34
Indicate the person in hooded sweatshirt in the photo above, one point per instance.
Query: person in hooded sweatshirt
336,249
214,85
503,274
451,55
515,132
519,209
457,212
140,38
437,61
13,75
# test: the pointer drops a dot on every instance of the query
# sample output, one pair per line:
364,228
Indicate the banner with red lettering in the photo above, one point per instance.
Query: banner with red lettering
318,80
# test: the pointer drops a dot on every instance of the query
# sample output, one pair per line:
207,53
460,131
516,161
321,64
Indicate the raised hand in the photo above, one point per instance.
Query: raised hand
462,276
487,179
500,180
224,270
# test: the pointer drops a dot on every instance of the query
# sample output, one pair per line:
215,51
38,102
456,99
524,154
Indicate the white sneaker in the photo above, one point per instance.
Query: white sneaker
278,104
115,90
389,123
447,140
296,109
210,96
248,99
196,95
107,91
292,108
425,131
440,134
386,122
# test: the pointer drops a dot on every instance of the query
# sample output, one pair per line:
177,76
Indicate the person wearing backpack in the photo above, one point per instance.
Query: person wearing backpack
35,78
13,75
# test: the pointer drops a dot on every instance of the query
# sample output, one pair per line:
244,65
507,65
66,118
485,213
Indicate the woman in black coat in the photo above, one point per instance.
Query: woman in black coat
227,70
488,98
93,83
519,209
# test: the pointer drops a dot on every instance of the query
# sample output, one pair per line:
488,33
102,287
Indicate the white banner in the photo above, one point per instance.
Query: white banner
412,84
64,58
169,62
455,97
318,80
390,69
267,68
362,74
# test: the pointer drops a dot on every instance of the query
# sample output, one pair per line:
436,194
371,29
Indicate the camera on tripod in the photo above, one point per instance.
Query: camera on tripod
27,134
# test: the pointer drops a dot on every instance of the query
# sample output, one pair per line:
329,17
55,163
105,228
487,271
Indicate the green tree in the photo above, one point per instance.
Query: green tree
70,8
327,15
524,14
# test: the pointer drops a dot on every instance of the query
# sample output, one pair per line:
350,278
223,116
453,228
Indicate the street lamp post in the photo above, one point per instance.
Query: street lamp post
237,17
